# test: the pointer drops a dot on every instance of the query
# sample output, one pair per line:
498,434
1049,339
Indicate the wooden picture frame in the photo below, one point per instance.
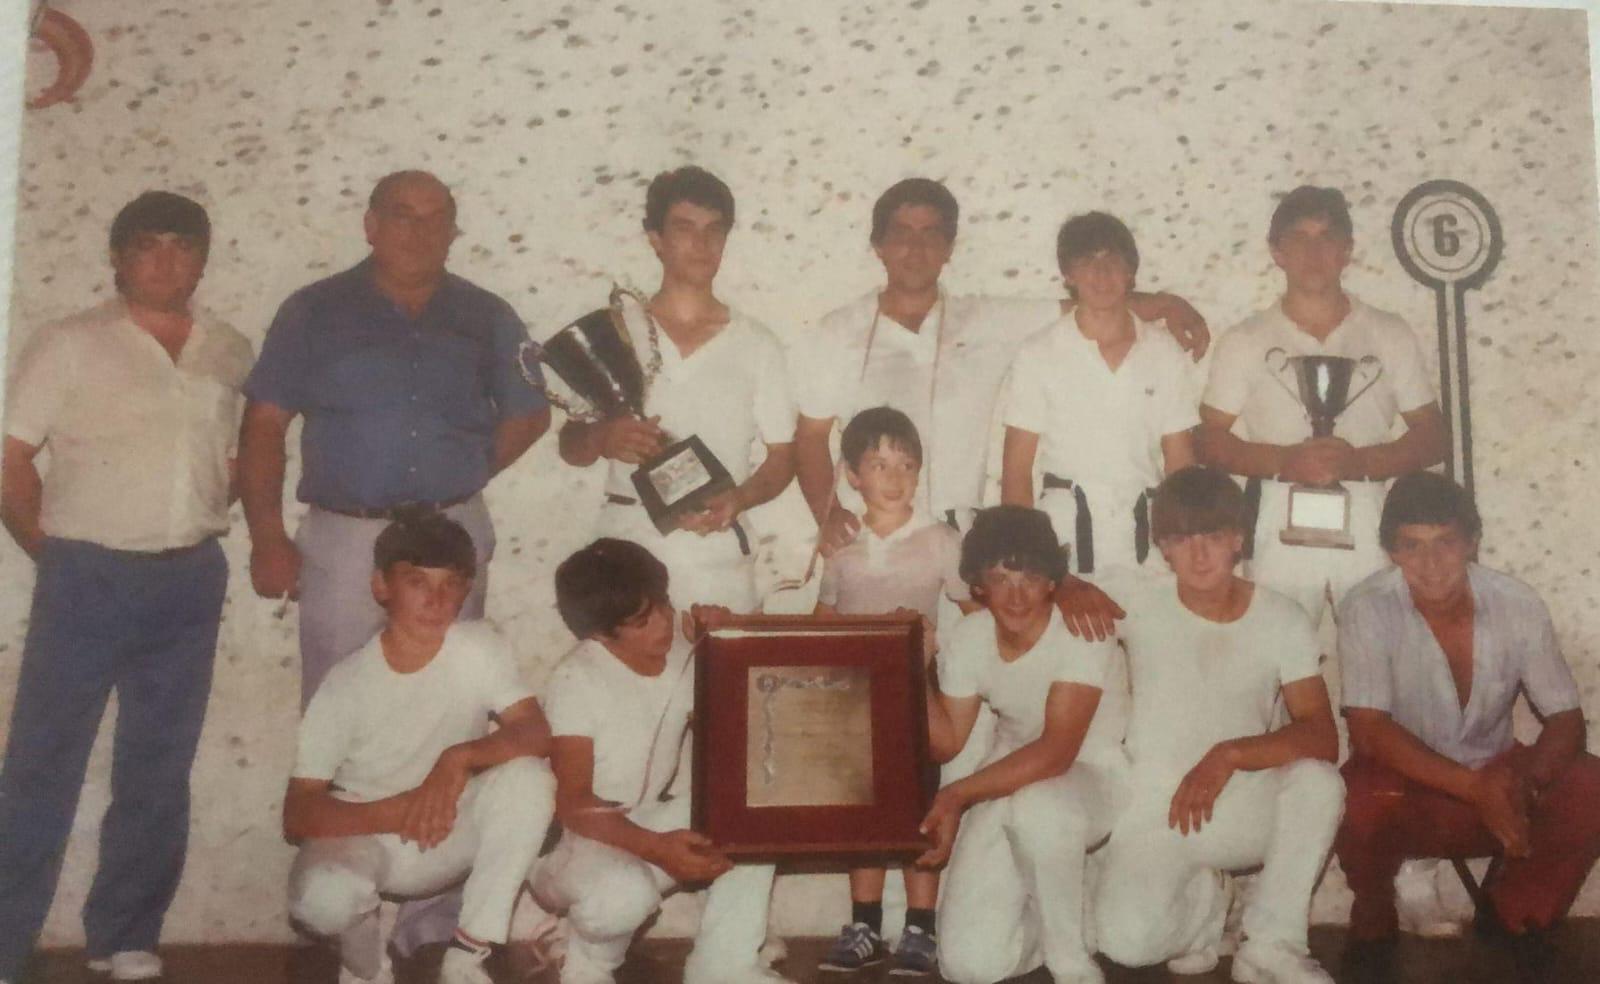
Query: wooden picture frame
811,737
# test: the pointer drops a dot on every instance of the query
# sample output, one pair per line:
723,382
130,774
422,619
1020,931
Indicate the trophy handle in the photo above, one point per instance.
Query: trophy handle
1370,362
1277,360
529,355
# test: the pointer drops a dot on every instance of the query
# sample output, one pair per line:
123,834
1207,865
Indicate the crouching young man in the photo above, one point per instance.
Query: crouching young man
619,708
1433,652
1215,785
1044,794
400,787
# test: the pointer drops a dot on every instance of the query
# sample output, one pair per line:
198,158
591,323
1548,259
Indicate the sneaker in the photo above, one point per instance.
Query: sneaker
463,966
858,946
128,965
361,947
1276,963
1416,895
916,955
1202,960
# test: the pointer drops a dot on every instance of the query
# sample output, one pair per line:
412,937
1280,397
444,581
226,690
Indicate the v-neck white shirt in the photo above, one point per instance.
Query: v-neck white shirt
1392,662
1098,426
946,376
138,444
732,391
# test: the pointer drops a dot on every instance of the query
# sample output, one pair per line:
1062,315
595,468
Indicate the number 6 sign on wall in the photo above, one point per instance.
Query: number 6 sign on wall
1448,238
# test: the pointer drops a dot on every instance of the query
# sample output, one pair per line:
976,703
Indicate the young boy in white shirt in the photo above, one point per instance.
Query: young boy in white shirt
1102,400
902,560
1016,830
619,707
1215,783
400,787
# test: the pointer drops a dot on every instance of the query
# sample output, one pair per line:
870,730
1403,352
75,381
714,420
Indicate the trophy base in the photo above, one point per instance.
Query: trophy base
678,481
1318,517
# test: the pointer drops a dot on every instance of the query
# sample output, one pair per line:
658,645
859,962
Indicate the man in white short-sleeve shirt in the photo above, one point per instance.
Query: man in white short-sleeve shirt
400,787
716,374
1017,829
117,474
1214,784
940,359
1433,653
619,706
1311,241
1101,402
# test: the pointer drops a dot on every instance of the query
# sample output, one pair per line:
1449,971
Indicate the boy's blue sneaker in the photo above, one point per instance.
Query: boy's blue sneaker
917,955
857,947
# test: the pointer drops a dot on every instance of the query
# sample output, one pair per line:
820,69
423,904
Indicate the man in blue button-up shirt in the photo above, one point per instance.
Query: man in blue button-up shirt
408,380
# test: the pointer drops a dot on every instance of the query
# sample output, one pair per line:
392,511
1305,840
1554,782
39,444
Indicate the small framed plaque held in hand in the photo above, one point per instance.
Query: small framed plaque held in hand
811,736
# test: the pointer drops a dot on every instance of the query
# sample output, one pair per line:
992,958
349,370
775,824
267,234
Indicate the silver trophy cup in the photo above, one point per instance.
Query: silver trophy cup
1319,516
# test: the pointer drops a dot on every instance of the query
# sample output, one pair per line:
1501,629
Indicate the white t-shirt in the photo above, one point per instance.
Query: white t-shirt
946,377
636,722
1197,682
376,733
1241,384
732,391
139,444
970,665
1099,428
909,568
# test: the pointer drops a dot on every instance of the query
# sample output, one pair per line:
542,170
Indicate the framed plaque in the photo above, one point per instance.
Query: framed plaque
811,737
679,480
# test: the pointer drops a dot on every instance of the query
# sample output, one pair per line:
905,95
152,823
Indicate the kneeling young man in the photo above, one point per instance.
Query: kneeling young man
1433,652
619,709
1214,785
400,787
1021,824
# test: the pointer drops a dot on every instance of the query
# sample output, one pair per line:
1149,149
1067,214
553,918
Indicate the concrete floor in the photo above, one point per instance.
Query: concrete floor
1463,961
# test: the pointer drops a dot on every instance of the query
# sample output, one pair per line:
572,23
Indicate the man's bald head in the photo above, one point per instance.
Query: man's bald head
390,183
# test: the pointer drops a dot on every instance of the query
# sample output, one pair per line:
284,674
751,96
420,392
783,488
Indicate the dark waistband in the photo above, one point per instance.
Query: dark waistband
395,511
171,553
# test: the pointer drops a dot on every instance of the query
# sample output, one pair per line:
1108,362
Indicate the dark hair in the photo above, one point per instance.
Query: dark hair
605,584
1014,537
869,428
158,212
1196,499
387,184
1424,498
1311,202
915,191
425,538
1090,233
691,184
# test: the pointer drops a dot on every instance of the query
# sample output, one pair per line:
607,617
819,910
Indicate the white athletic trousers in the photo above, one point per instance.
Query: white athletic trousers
607,894
337,611
1310,575
501,821
703,570
1013,892
1160,892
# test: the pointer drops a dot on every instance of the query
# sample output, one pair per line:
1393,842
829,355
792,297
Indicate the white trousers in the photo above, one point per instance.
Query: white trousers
1014,889
607,894
337,611
501,821
1160,892
1314,575
703,570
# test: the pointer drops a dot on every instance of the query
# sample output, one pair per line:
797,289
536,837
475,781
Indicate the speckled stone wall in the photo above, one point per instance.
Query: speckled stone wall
548,119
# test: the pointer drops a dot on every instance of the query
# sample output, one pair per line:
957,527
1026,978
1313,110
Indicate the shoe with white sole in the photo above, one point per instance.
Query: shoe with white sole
1417,900
1202,960
128,965
1276,963
463,966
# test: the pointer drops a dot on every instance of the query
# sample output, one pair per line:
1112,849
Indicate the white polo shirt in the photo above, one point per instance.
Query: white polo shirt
946,377
1241,385
1391,662
1098,427
909,568
138,445
732,391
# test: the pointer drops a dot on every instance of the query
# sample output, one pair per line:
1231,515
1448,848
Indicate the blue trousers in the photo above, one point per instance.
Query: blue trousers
146,626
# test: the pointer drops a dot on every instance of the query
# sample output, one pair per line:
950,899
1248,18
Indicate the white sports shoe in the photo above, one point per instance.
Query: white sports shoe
1198,961
128,965
576,970
361,947
1276,963
1416,895
463,967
